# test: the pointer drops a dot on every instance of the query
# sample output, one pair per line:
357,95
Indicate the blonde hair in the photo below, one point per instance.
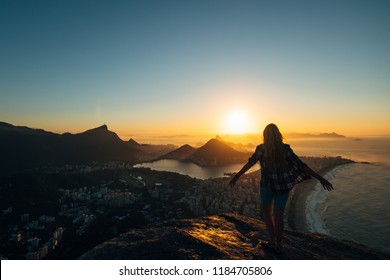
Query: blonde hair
274,151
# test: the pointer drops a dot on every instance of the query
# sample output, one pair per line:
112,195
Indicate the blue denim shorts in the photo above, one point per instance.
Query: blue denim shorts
267,197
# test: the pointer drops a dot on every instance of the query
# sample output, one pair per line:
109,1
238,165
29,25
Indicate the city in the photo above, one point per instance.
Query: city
78,207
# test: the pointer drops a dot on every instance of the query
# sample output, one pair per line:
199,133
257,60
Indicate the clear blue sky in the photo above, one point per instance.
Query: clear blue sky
182,66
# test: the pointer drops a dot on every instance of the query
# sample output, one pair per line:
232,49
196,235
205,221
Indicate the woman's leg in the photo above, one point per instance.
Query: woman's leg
280,201
278,225
269,222
266,197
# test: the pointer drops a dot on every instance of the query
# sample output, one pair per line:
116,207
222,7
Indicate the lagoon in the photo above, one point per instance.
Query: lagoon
194,170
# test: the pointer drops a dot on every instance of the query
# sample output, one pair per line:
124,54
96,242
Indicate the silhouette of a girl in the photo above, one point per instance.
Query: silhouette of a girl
281,169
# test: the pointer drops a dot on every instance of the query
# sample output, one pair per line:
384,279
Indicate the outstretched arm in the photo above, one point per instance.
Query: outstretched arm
244,169
325,183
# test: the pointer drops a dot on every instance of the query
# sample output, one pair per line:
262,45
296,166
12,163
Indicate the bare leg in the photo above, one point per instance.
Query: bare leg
269,222
278,223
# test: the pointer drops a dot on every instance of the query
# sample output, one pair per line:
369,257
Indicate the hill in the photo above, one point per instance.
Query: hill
133,143
214,153
237,146
23,148
151,152
97,144
180,153
225,236
6,128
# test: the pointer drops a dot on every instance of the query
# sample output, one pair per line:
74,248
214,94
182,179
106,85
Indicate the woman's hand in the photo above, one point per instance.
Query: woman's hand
233,181
244,169
326,184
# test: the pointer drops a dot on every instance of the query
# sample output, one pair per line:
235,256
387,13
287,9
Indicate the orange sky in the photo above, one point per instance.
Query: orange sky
184,67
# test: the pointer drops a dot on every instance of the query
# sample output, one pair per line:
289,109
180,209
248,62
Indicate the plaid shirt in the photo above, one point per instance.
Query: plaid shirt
285,180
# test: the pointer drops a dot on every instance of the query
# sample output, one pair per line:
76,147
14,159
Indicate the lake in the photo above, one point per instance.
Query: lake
193,170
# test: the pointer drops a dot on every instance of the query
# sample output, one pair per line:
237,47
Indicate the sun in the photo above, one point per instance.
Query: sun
237,122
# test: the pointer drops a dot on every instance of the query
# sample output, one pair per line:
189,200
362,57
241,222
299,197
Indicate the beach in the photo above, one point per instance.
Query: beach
296,206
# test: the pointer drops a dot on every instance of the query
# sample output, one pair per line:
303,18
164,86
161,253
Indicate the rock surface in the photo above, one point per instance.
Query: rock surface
224,236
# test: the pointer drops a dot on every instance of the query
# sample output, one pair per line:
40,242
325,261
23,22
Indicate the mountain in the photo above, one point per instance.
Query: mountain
6,128
133,143
97,144
309,135
151,152
23,148
215,152
180,154
330,135
226,237
237,146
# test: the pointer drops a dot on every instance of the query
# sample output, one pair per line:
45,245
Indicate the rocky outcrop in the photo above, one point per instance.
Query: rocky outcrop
225,236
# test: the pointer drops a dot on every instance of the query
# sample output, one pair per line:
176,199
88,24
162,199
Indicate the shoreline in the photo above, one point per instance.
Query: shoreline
296,207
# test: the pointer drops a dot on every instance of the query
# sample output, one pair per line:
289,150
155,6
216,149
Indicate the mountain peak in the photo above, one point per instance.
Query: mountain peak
215,142
216,152
133,143
98,129
102,127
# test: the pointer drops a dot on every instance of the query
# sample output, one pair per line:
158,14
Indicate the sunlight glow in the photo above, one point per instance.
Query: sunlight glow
237,122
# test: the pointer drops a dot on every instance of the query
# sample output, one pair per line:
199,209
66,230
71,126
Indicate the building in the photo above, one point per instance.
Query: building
7,211
57,235
34,242
34,224
25,218
43,252
16,237
47,219
32,256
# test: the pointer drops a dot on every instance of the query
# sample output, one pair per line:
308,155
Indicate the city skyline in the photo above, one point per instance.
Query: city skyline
186,67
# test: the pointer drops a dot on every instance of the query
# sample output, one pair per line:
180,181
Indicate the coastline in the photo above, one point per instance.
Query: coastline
296,207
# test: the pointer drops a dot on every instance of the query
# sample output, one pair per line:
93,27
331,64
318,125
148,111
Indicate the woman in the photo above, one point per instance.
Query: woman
281,169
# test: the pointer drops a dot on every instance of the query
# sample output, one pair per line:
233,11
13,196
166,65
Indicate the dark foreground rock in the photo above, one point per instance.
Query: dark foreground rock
225,236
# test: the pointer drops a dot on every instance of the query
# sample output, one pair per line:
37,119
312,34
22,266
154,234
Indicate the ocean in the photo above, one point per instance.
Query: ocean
358,208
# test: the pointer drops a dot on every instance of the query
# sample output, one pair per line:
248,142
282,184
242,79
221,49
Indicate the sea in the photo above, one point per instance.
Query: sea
358,209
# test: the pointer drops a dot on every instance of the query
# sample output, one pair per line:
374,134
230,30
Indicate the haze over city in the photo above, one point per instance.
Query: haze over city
148,68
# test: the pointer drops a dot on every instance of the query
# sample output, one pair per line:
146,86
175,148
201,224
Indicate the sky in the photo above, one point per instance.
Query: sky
196,67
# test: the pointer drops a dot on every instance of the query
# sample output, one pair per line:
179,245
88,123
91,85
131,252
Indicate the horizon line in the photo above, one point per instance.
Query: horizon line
147,133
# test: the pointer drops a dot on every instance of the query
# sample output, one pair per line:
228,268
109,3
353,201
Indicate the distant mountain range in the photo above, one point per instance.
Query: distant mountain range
213,153
24,148
309,135
237,146
151,152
